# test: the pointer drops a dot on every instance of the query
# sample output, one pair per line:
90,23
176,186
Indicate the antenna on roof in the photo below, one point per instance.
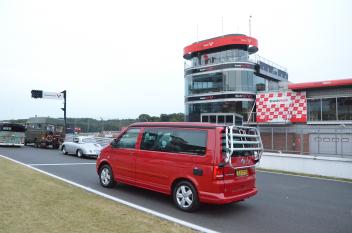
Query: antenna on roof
222,25
250,25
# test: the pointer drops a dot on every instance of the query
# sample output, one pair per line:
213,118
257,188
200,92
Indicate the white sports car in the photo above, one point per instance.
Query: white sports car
82,146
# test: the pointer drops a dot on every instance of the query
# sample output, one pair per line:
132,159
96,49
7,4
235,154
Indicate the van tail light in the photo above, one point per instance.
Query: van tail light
218,173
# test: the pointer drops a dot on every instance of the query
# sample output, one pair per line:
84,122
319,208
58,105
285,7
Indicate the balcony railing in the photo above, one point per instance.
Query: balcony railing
190,65
267,67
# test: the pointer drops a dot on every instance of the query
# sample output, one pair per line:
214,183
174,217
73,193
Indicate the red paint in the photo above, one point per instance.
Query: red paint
219,42
158,170
321,84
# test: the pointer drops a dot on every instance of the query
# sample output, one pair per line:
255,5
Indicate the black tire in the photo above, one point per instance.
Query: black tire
64,150
106,177
185,196
79,153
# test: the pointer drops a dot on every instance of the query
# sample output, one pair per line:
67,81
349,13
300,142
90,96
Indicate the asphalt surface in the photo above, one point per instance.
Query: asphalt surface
284,203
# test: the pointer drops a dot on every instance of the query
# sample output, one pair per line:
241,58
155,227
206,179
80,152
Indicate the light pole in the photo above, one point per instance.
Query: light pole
64,109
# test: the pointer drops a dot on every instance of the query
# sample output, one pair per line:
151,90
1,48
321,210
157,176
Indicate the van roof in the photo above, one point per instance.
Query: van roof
177,125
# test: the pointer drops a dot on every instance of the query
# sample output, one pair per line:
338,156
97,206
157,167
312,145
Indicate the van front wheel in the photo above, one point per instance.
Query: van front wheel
106,176
185,196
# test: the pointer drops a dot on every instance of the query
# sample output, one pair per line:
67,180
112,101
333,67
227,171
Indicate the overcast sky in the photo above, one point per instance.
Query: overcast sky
118,59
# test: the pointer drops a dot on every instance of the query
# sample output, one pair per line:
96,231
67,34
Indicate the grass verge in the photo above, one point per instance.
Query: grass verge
305,174
33,202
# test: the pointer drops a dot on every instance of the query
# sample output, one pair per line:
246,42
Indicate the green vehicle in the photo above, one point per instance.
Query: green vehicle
45,132
12,134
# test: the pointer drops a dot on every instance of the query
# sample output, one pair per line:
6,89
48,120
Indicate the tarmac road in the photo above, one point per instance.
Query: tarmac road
284,203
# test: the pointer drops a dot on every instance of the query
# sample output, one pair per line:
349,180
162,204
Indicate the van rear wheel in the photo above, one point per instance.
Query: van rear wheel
185,196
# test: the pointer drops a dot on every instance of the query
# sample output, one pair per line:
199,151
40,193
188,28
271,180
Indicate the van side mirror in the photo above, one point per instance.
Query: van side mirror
114,143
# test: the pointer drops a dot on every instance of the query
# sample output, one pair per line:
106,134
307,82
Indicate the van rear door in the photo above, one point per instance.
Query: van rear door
240,144
239,180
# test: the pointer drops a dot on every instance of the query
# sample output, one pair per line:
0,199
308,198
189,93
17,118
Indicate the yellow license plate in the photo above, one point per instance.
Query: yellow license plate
242,172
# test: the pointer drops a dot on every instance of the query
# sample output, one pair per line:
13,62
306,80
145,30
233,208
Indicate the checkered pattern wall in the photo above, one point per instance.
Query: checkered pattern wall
281,107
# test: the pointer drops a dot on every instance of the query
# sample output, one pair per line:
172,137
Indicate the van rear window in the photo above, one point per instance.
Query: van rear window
175,140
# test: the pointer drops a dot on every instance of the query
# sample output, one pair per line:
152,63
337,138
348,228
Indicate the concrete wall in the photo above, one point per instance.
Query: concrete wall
324,166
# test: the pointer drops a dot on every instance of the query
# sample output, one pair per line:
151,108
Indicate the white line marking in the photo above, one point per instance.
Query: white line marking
311,177
138,207
58,164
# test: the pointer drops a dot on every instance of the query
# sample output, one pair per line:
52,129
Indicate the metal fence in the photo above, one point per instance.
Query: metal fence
314,140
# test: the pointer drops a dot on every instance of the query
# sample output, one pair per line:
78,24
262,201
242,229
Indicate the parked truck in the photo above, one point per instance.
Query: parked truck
45,132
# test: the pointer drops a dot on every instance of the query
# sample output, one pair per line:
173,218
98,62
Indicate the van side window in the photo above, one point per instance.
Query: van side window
149,140
191,141
129,139
176,141
156,140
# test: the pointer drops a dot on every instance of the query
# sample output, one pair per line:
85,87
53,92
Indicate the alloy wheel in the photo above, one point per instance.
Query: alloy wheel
184,196
105,176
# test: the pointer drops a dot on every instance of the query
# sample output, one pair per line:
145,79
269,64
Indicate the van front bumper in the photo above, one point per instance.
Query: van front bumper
220,198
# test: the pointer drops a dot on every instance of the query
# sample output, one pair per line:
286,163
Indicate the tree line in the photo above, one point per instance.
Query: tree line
94,125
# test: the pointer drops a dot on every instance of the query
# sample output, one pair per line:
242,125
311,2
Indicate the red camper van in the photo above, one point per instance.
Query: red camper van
193,162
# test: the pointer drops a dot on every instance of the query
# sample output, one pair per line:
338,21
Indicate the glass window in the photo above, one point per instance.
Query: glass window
221,119
213,119
230,81
190,141
223,56
229,119
176,141
238,120
50,128
149,140
59,129
344,108
247,81
229,55
5,128
259,83
329,109
89,140
129,139
206,59
156,139
273,85
314,109
205,83
205,118
240,107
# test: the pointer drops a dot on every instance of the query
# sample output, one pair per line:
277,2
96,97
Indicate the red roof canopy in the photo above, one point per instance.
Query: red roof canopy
321,84
232,39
